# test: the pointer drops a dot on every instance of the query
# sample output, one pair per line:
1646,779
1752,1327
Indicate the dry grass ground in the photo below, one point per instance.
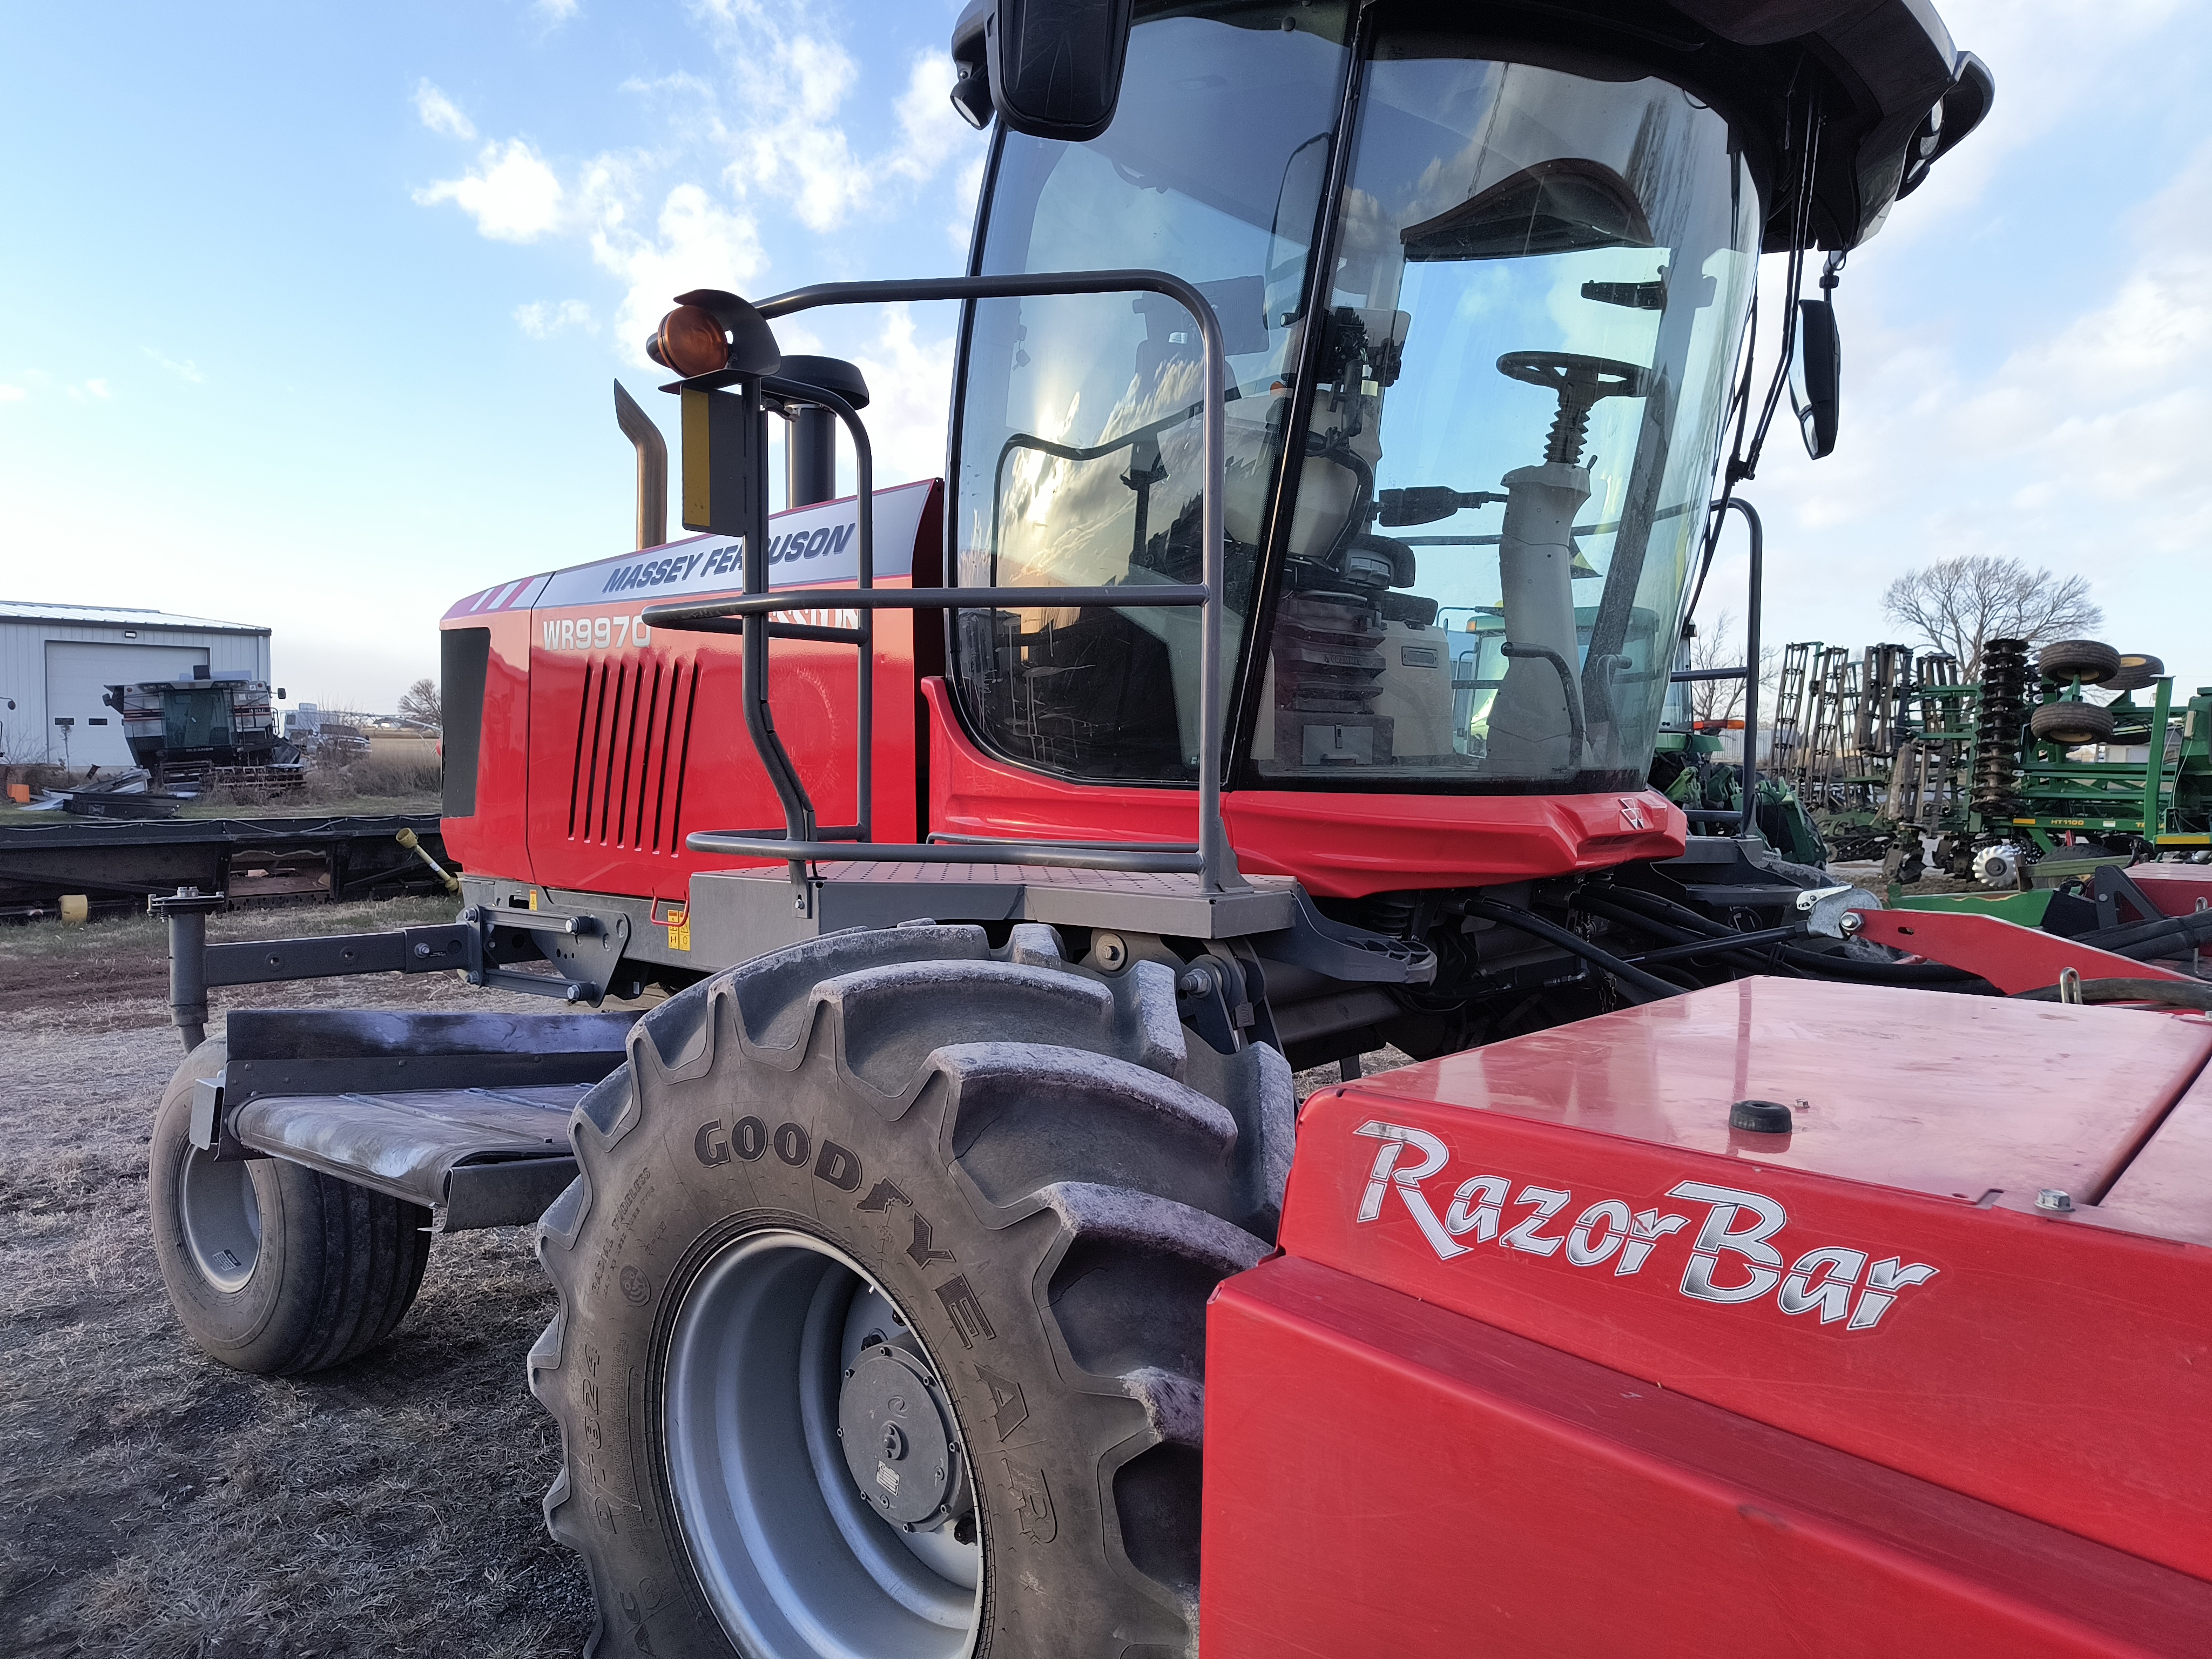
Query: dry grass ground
373,784
155,1505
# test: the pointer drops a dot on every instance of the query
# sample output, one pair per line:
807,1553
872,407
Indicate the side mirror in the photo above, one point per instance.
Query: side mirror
1051,68
1816,376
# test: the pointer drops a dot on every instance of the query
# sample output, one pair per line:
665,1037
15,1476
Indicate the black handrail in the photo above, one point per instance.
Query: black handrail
1215,862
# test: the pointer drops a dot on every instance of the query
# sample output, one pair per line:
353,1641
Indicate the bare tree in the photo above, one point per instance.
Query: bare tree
420,702
1723,700
1959,603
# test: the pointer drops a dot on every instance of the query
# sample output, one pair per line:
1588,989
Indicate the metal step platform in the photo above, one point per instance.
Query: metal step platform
481,1157
465,1114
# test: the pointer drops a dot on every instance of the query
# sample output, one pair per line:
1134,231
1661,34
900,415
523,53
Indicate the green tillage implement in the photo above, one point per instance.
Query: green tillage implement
2160,803
2165,799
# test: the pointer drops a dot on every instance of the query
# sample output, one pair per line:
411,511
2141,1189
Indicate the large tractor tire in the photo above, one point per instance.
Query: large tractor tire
273,1267
882,1295
2090,661
2071,723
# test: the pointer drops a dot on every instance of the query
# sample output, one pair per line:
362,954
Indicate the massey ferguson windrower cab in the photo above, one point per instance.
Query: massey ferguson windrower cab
1342,402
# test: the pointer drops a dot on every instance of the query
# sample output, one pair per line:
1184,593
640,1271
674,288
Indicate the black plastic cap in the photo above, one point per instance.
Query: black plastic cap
1766,1117
830,374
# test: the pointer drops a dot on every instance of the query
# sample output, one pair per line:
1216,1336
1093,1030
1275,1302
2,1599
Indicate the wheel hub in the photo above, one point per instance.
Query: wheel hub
221,1217
791,1382
891,1421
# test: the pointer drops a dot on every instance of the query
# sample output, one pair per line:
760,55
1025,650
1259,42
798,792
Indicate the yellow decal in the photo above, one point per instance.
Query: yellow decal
679,930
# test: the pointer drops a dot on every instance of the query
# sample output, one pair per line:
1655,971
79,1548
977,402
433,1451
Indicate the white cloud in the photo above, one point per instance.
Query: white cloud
542,319
440,113
770,124
511,192
802,156
557,12
960,227
187,370
698,244
2079,450
89,392
909,379
2041,85
789,144
931,129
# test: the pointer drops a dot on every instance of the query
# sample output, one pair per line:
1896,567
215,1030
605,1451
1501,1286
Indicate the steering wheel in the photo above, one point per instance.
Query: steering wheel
1570,375
1579,382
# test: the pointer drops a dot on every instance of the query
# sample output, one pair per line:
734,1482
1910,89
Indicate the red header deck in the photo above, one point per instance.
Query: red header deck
1881,1280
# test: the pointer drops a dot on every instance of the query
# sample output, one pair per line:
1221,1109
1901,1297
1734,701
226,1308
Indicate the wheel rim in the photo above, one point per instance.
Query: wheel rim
223,1218
794,1560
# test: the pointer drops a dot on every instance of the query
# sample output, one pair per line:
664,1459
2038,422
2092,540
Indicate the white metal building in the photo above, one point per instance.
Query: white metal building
56,660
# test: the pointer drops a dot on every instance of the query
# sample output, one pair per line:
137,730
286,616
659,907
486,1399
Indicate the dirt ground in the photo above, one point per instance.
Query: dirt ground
153,1503
156,1505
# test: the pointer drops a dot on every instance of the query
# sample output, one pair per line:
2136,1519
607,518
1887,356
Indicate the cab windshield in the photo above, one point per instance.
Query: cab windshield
1468,464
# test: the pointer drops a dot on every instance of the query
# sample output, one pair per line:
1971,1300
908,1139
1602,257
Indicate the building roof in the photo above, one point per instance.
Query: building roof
110,616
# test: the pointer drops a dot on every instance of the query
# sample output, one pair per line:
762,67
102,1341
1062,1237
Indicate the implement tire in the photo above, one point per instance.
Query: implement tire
899,1154
272,1267
2138,673
2072,723
2090,661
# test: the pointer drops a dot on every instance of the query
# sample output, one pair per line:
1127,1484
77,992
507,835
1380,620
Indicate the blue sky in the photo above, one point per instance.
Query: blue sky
309,314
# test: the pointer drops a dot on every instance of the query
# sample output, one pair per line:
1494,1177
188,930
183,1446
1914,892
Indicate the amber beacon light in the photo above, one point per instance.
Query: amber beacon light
690,342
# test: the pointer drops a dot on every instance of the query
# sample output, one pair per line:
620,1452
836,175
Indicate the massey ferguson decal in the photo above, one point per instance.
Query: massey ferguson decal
811,544
1731,1258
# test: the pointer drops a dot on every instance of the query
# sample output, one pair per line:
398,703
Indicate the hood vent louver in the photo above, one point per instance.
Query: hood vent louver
633,744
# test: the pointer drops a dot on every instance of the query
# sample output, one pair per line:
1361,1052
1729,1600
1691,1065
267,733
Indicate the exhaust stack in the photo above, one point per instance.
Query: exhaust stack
652,469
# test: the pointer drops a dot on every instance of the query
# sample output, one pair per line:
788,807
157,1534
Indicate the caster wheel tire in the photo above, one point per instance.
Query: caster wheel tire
2073,723
273,1267
2137,673
2090,661
883,1291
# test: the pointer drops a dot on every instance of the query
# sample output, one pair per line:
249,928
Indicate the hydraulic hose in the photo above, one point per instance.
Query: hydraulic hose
1828,966
2195,928
1528,922
2167,993
1749,955
1819,963
1663,910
